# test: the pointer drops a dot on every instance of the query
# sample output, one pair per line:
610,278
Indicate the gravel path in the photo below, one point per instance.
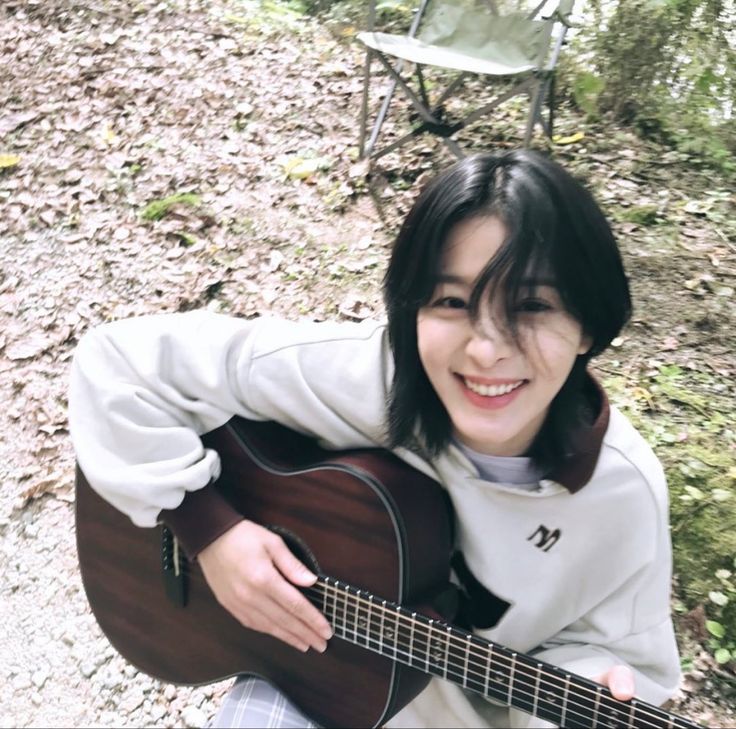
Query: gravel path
58,665
111,105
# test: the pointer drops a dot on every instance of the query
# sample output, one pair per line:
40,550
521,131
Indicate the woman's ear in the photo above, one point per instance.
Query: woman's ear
586,342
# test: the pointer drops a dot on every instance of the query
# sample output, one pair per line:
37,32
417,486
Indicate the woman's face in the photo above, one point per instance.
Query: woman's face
497,394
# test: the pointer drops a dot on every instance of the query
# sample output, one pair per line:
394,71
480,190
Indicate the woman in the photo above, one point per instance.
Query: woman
504,281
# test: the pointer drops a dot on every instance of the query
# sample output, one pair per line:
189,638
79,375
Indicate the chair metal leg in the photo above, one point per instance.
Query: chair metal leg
364,151
534,107
453,146
364,104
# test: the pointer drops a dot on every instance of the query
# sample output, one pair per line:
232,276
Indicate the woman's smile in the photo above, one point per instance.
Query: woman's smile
490,394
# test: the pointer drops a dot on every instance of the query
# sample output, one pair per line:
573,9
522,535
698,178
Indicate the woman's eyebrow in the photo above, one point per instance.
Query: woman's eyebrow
452,278
535,283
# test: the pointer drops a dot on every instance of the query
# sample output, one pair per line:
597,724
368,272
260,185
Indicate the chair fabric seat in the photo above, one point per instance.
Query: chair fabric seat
466,37
500,58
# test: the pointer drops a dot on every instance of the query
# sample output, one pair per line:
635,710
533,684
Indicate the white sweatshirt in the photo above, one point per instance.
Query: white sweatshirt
585,566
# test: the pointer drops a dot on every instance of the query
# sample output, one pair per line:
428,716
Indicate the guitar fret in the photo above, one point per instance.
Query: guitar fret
346,596
564,699
596,705
393,634
465,664
356,616
536,688
334,603
411,637
382,630
370,621
448,635
511,679
429,647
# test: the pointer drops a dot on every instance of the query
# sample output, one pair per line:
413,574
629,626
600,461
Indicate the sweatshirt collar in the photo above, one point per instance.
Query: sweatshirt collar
577,468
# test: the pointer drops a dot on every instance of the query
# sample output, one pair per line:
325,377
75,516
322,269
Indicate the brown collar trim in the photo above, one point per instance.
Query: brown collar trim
576,470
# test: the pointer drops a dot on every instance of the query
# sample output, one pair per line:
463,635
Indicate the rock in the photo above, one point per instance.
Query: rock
112,678
131,701
22,682
39,678
170,692
88,669
191,716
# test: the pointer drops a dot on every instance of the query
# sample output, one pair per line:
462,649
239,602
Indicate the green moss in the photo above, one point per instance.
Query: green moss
687,417
157,209
639,214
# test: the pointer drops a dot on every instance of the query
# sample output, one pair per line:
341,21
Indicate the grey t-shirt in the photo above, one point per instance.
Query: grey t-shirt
516,471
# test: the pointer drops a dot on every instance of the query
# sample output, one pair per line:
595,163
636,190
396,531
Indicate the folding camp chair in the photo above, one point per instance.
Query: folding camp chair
470,37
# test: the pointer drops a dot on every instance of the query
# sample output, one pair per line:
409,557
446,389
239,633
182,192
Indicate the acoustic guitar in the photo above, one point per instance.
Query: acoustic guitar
378,534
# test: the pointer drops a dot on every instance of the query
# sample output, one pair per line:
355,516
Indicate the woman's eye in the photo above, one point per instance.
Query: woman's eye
450,302
532,306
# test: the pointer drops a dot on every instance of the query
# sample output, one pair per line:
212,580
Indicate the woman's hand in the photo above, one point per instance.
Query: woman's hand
620,680
253,575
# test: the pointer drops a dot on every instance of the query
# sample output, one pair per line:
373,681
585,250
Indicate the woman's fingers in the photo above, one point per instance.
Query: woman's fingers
289,597
620,680
248,569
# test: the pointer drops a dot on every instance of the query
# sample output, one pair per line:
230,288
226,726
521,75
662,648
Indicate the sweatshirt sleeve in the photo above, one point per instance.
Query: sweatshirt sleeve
143,390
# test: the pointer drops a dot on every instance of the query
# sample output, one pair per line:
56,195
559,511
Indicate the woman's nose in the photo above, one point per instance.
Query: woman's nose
489,342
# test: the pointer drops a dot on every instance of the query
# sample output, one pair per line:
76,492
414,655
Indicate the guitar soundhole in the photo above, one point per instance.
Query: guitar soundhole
299,548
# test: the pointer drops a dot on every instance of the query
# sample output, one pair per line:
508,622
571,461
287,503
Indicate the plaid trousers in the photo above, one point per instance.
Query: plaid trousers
253,702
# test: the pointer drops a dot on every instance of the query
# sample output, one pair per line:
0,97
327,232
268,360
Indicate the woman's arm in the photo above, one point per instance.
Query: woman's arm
143,391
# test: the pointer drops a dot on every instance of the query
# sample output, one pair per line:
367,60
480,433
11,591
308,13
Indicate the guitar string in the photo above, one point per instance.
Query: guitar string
568,712
517,666
608,707
340,592
640,707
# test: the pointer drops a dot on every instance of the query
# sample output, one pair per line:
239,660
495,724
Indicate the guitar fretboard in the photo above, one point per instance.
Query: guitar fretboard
498,673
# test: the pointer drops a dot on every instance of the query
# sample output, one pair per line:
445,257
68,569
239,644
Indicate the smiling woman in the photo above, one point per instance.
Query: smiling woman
504,281
517,251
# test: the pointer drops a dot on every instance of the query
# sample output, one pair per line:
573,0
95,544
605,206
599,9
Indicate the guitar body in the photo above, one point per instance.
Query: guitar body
363,517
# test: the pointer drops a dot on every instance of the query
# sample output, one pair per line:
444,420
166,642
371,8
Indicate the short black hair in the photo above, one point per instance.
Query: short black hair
554,224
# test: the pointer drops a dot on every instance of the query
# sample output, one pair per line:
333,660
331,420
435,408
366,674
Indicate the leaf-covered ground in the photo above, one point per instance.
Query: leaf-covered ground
162,156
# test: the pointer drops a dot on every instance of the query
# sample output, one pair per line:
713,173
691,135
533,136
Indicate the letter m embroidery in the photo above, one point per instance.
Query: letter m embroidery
547,538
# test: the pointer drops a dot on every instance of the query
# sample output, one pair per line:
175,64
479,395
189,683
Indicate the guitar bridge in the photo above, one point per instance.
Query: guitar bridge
174,565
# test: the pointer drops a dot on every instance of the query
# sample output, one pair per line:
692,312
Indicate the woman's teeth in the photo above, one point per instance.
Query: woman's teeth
491,390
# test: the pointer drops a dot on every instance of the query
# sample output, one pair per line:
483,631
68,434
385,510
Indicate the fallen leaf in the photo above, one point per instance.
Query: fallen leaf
8,160
571,139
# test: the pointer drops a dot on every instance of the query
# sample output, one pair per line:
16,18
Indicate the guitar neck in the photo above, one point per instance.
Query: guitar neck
502,675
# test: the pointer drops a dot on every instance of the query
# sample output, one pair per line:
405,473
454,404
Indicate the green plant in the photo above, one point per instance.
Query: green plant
722,602
157,209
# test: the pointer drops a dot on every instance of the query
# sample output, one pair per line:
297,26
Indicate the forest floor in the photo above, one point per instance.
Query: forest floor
164,156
